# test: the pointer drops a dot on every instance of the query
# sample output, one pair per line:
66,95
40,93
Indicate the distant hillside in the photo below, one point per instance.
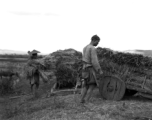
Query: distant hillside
146,52
143,52
3,51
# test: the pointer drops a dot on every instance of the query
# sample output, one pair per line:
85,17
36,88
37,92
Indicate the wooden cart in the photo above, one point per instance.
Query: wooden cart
113,87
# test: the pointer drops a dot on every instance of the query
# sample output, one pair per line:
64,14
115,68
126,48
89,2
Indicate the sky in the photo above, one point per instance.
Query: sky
50,25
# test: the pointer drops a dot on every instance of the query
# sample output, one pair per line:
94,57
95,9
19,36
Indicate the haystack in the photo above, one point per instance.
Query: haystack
66,63
63,63
120,63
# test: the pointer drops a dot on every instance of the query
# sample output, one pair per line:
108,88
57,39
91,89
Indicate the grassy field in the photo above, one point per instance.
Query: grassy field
14,58
65,106
13,62
10,63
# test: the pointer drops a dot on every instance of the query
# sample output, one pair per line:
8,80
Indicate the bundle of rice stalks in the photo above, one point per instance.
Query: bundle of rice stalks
44,76
66,76
31,67
29,71
62,65
138,64
67,65
47,75
48,62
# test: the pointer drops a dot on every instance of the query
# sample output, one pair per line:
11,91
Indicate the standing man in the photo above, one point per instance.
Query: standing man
35,78
90,68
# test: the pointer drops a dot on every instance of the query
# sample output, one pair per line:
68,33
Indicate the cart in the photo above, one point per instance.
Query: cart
112,87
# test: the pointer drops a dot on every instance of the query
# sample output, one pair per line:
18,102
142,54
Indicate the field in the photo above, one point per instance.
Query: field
13,61
65,106
21,105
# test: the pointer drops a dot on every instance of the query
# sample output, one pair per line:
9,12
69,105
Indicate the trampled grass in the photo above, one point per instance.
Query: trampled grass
67,107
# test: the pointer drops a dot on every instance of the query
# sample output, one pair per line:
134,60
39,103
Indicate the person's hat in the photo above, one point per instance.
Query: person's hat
34,52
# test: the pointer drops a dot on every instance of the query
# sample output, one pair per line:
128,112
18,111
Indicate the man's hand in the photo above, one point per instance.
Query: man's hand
78,84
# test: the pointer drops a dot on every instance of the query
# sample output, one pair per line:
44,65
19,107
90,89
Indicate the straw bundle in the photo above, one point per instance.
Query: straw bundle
65,65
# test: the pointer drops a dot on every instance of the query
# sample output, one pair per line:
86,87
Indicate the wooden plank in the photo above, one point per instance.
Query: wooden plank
131,87
149,96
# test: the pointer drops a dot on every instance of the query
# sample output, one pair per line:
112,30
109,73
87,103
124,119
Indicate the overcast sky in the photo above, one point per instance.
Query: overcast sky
50,25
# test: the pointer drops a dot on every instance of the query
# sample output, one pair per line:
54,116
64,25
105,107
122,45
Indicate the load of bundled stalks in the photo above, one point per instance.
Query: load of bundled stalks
63,63
132,60
66,64
43,66
120,63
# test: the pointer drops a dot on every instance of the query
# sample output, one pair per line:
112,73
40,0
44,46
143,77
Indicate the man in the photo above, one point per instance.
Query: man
34,80
90,68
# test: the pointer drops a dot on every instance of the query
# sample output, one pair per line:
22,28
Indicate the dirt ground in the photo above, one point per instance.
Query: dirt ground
66,106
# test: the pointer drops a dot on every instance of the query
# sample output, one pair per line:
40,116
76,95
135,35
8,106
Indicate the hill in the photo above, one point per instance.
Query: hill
143,52
146,52
8,52
4,51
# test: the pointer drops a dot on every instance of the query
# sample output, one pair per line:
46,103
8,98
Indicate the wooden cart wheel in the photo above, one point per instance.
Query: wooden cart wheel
112,88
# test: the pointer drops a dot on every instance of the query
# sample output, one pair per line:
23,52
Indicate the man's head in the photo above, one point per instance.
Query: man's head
33,54
95,40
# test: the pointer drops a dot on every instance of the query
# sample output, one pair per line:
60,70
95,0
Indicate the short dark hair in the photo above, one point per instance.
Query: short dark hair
95,37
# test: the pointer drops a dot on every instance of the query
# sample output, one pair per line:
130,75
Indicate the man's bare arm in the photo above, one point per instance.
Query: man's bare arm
94,61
